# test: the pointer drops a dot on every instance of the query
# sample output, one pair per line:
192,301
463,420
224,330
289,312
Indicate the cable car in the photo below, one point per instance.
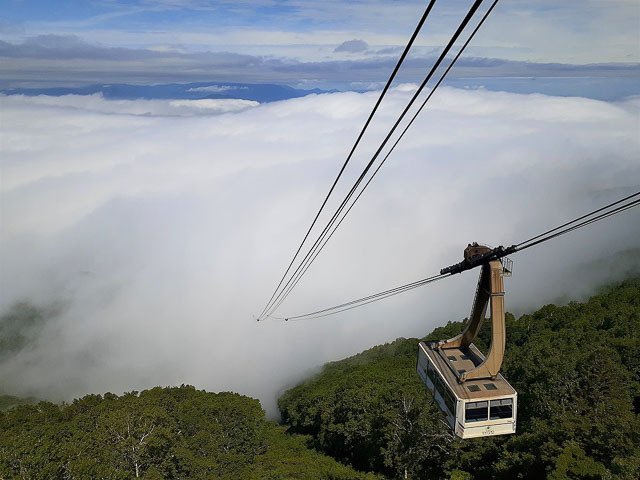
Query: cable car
475,398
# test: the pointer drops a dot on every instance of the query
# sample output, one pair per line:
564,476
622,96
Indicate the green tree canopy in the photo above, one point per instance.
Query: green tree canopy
577,372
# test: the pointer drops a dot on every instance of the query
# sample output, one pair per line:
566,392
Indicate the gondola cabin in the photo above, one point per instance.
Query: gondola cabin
467,386
475,408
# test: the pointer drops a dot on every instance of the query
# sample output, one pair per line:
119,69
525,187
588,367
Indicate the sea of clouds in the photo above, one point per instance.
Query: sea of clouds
161,227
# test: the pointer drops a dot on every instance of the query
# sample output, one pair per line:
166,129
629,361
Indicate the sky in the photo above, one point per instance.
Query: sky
152,231
304,43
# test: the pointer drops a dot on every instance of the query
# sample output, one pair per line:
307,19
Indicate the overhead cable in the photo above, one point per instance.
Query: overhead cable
544,237
587,219
366,300
375,108
325,239
312,252
578,219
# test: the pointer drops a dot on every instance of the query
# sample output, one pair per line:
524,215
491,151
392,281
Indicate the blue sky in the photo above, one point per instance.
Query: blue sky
80,42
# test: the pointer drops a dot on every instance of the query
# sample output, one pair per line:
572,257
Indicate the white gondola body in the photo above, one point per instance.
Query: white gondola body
478,408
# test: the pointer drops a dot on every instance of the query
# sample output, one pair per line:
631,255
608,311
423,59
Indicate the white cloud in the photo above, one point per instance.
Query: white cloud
573,31
52,60
97,103
166,233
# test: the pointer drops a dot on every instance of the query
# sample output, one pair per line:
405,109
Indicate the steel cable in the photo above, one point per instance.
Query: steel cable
366,300
589,221
578,219
556,232
280,297
317,251
384,91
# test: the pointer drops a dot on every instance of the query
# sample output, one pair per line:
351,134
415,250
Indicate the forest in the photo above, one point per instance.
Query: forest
577,372
160,433
576,369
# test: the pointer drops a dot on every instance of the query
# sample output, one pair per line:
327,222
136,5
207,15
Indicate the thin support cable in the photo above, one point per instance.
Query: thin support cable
410,286
579,218
375,108
366,300
326,240
602,216
280,297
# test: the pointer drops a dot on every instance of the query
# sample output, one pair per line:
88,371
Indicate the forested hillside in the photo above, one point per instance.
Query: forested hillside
576,369
7,402
160,433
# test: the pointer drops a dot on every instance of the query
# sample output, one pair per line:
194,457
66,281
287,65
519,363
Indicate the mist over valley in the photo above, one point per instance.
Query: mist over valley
157,237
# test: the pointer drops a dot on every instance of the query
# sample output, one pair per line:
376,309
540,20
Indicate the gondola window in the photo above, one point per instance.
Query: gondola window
477,412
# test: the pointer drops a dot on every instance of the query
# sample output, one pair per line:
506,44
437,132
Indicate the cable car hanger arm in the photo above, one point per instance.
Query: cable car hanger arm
482,257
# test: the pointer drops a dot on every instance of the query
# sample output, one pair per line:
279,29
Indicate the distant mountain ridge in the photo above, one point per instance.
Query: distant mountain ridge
599,88
259,92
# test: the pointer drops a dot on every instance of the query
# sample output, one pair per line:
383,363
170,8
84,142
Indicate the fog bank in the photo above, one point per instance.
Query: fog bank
163,227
